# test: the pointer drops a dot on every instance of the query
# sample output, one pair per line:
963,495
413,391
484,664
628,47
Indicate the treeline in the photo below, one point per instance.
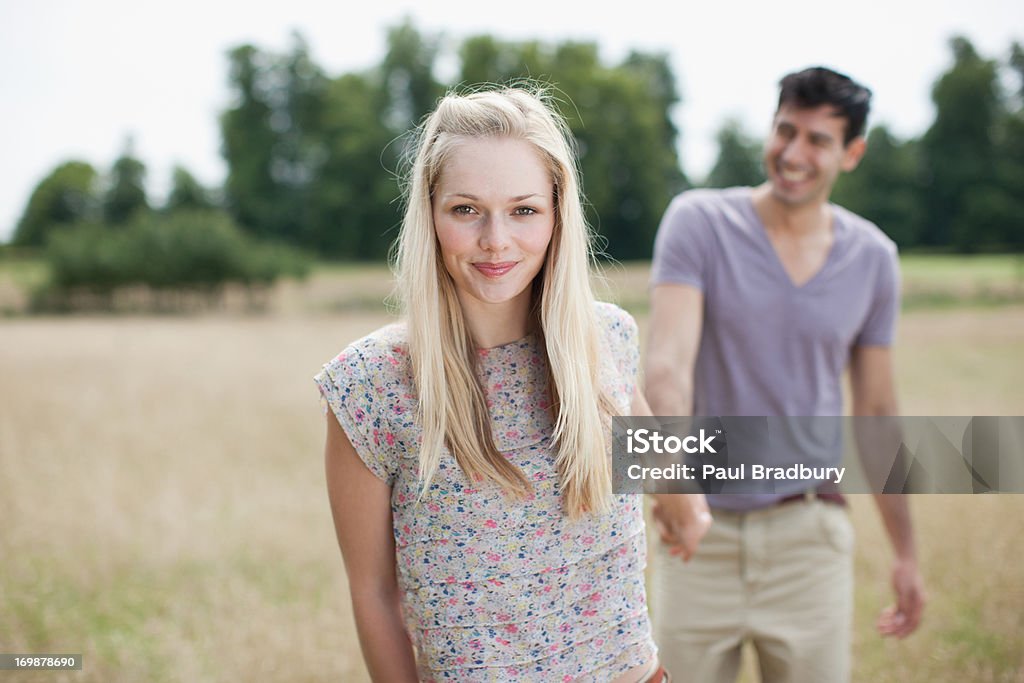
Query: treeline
314,160
100,236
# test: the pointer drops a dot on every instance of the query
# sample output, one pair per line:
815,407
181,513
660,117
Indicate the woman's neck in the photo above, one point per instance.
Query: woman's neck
492,325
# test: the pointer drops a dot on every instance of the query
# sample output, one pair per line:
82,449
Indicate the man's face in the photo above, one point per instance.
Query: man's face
805,153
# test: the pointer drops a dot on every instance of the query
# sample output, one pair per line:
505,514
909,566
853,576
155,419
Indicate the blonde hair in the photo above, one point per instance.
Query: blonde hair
452,407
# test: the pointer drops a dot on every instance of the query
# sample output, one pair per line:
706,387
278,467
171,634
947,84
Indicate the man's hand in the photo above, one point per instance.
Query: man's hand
901,619
682,520
874,393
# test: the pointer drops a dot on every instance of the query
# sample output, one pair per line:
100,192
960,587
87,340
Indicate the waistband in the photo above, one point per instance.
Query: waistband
833,497
830,496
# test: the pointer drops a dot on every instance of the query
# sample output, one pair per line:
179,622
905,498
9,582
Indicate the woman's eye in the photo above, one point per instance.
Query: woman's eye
462,210
524,211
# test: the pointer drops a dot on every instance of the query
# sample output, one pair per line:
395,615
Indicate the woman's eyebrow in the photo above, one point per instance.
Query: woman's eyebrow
519,198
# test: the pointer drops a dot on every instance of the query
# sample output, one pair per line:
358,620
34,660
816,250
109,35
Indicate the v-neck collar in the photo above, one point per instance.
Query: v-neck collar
780,267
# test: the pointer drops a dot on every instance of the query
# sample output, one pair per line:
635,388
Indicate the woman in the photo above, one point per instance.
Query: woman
467,455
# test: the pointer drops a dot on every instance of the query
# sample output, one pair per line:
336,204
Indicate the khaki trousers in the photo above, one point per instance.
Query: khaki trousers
780,578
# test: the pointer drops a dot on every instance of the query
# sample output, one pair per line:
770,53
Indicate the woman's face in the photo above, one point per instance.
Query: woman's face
494,216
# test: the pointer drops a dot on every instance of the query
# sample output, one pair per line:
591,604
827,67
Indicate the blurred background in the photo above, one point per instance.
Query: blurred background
196,203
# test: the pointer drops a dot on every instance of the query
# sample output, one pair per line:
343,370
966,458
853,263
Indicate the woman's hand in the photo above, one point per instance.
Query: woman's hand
682,520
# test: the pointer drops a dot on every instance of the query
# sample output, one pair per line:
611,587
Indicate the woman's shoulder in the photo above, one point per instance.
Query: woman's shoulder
614,321
384,341
381,355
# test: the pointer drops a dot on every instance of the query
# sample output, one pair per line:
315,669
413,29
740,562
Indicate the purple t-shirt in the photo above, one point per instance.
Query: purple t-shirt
767,346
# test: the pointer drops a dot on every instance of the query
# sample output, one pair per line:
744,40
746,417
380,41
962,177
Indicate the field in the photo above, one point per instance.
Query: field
164,514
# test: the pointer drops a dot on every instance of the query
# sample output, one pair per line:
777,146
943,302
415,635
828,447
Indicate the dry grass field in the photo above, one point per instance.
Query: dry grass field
163,511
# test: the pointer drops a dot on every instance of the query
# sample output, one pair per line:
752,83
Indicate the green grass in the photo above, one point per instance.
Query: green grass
930,281
973,644
944,269
24,271
945,281
62,609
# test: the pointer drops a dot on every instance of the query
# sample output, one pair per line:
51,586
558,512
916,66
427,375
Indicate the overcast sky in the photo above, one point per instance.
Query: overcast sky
77,77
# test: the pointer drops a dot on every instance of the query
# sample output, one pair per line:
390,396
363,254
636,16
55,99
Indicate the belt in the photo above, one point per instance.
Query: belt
824,496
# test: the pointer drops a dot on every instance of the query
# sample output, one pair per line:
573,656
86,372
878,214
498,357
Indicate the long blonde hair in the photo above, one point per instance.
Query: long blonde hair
452,406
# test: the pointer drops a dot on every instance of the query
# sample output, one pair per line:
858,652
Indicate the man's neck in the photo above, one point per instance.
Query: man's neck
807,220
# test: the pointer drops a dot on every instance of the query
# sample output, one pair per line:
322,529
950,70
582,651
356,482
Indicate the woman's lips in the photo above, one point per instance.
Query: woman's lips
494,270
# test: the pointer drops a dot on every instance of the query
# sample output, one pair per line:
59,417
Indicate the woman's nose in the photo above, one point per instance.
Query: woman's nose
494,235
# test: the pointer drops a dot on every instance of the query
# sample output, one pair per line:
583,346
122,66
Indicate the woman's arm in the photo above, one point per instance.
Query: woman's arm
361,506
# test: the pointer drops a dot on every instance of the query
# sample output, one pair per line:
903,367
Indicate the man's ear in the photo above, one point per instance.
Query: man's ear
853,153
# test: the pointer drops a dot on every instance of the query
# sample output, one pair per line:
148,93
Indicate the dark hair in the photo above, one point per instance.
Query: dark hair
817,85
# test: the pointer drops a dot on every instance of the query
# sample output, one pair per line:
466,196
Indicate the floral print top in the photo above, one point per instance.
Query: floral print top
494,590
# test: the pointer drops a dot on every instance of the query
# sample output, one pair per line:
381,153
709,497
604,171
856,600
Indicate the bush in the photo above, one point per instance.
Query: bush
197,251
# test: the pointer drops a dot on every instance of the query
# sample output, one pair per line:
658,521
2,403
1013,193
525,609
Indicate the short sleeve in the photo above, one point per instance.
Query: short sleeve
349,392
623,337
879,327
683,244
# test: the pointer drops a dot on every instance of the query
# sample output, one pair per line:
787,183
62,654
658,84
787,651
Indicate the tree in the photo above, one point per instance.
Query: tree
300,152
407,74
886,187
353,210
272,140
484,59
66,196
958,149
126,191
1009,169
739,158
627,142
1016,65
660,83
186,192
248,144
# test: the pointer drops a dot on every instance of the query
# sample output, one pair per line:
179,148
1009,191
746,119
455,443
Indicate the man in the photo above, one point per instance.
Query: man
761,297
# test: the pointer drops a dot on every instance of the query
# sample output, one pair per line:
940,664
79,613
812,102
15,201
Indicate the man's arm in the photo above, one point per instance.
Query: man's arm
677,312
682,518
874,393
361,506
677,315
